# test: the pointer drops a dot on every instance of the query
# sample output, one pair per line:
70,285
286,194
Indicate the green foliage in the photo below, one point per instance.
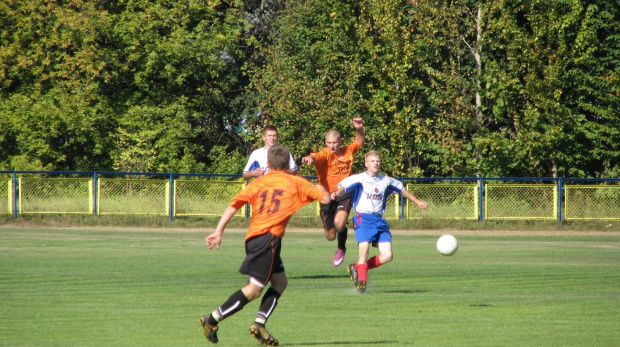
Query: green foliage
458,88
311,81
155,139
226,162
51,115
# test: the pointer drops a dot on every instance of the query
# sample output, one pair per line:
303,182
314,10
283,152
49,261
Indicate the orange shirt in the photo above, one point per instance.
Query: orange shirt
274,197
332,168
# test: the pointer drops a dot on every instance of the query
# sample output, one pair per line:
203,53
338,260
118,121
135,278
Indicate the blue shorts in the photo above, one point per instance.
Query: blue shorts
371,228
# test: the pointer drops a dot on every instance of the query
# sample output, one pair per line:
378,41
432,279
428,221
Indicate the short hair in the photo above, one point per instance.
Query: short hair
332,133
270,128
372,154
278,157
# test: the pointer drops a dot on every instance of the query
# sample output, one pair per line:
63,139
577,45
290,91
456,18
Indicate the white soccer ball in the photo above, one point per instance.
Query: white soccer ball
447,245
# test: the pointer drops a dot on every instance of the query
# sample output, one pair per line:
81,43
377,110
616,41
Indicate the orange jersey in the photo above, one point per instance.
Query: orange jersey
332,168
274,197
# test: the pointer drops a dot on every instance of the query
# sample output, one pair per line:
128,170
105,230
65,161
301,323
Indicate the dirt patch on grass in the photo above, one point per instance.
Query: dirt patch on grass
438,232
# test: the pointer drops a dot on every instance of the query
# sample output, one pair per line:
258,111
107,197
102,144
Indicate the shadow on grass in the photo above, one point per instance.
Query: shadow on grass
318,277
407,291
339,343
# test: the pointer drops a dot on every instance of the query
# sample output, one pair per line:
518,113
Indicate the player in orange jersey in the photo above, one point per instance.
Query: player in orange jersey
274,197
333,164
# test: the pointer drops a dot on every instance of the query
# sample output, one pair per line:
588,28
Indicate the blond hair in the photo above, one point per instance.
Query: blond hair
372,154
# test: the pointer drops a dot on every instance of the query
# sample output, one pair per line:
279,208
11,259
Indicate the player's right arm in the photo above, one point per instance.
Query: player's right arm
254,173
408,195
253,167
308,160
216,237
337,193
358,124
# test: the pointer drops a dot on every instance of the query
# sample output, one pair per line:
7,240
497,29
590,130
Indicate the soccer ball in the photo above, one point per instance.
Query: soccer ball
447,245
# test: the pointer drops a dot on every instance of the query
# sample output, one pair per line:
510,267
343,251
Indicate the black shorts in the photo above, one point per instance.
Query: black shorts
262,257
328,211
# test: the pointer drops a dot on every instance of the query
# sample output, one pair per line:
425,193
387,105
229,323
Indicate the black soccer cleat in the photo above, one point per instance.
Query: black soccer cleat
353,272
210,330
361,287
262,335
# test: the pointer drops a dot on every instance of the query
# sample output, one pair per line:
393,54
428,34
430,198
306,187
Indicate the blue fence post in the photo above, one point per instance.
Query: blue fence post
14,192
402,201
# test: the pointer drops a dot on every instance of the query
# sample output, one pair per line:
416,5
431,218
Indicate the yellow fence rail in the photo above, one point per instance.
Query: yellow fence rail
6,202
55,195
133,196
590,202
449,201
208,195
204,198
521,201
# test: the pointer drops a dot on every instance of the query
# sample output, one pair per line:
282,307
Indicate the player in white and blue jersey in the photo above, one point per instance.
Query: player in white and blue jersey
257,163
369,192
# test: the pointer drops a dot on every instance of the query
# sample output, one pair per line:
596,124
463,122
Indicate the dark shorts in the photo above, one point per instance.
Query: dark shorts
328,211
262,258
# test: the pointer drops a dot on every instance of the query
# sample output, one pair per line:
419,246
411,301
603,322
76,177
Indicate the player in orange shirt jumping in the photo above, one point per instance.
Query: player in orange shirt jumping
333,164
274,197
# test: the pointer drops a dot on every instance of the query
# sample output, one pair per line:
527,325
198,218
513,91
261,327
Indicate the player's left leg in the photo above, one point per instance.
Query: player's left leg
267,306
361,267
327,217
269,302
343,207
385,255
234,304
340,222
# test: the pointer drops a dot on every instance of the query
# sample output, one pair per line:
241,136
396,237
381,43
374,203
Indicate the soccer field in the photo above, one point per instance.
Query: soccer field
129,287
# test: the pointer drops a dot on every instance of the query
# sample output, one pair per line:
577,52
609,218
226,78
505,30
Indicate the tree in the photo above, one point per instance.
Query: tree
180,69
549,79
49,111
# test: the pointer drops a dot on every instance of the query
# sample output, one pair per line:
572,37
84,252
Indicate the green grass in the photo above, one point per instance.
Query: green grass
80,287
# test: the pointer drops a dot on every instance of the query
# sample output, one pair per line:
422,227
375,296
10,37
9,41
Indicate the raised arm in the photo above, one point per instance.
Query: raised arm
358,124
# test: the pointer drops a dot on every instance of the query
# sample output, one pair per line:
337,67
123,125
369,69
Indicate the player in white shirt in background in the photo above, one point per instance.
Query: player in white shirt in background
369,192
257,163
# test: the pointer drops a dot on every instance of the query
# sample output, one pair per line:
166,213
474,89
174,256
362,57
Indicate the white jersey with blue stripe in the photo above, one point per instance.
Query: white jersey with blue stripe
369,194
258,158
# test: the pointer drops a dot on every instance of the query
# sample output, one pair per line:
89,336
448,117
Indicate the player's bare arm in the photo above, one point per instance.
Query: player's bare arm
215,239
337,193
358,124
254,173
308,160
421,204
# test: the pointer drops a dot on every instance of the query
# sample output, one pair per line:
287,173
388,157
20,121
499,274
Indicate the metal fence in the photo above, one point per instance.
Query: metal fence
176,195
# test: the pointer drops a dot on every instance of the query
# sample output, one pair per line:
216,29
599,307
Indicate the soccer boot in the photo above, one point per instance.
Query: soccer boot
361,287
262,335
338,257
210,330
353,273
